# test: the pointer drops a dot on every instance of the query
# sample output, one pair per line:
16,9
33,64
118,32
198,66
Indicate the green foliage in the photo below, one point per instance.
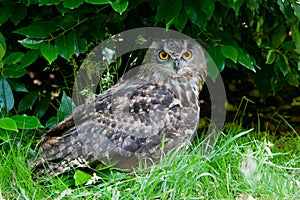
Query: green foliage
26,122
20,122
81,177
262,37
8,124
11,125
65,109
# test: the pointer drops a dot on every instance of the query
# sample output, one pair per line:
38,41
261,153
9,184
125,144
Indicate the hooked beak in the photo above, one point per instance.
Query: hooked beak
176,64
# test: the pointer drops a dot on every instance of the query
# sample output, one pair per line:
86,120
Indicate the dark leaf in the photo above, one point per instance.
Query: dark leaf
292,79
6,95
270,57
279,35
39,29
49,52
2,47
266,45
66,107
6,12
217,56
195,13
49,2
245,60
98,2
75,44
296,35
62,9
119,5
296,8
72,3
17,85
208,7
263,81
230,52
282,64
52,122
13,58
63,48
27,101
31,43
289,46
81,45
19,14
286,9
13,71
235,4
96,24
168,10
181,20
212,69
43,106
277,83
29,57
68,21
69,45
117,18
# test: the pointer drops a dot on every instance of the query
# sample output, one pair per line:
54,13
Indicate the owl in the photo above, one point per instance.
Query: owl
136,121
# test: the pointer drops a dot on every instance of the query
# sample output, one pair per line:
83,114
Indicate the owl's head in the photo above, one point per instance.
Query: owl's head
176,59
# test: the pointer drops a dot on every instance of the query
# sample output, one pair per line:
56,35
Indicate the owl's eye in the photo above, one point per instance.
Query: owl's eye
163,55
187,55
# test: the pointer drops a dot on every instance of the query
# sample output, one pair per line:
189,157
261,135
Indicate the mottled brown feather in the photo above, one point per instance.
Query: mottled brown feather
127,123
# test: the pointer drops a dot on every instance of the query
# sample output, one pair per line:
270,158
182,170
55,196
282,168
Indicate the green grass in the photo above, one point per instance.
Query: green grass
240,165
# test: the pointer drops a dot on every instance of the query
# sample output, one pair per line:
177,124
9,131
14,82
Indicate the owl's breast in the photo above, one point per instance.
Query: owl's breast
151,97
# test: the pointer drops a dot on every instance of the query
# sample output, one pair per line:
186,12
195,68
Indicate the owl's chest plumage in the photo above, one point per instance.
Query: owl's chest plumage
137,122
149,110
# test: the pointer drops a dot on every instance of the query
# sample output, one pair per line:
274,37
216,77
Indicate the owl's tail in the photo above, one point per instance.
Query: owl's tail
55,154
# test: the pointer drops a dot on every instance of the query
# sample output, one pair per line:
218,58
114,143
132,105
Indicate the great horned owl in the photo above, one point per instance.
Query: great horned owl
130,123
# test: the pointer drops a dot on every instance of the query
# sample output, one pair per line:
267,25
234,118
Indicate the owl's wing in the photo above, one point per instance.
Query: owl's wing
84,112
123,124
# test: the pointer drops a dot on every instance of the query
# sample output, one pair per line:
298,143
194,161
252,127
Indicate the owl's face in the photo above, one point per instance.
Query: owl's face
174,58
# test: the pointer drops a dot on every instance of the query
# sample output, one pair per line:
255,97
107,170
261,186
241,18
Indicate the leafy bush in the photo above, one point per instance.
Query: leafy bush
260,36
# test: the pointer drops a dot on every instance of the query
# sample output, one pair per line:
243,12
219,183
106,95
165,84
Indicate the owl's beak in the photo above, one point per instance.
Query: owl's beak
176,64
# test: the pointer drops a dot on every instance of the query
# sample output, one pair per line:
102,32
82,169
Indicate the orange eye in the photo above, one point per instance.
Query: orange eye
187,55
163,55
